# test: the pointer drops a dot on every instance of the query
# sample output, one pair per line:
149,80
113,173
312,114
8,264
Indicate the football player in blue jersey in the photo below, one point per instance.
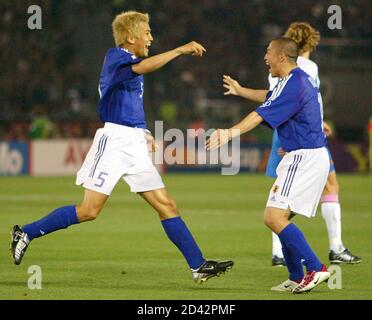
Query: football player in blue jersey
293,108
120,148
307,38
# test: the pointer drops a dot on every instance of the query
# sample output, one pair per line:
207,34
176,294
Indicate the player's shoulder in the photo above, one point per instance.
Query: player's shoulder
297,74
294,80
309,66
119,54
303,81
302,61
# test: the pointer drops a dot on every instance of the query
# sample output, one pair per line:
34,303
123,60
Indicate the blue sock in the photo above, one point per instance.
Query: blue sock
60,218
180,235
298,248
296,271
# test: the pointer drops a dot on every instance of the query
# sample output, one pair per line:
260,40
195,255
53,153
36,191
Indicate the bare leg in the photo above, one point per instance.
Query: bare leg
161,201
91,205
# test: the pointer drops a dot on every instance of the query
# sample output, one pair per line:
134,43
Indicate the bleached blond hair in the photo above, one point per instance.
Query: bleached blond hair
306,37
127,24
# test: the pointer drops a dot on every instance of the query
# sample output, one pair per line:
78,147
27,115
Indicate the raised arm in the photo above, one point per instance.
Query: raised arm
156,62
251,121
234,88
223,136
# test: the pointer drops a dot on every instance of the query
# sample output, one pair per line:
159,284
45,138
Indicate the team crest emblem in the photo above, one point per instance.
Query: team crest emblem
275,189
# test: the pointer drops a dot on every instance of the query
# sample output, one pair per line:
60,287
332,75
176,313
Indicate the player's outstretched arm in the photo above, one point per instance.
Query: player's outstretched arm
156,62
234,88
222,136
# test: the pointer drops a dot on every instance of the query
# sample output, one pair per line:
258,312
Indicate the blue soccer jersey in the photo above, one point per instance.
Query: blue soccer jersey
294,109
121,90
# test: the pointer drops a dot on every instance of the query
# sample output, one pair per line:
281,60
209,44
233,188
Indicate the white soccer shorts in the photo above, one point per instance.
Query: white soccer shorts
302,175
119,152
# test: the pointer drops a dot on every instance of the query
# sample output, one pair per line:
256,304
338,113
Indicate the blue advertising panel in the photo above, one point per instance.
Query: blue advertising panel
14,158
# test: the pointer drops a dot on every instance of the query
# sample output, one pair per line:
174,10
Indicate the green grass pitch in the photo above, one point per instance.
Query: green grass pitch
125,254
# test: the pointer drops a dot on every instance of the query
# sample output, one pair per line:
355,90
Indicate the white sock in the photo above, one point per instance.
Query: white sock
277,246
331,212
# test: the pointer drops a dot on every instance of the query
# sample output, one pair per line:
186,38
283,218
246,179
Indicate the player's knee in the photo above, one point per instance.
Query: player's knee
168,209
172,207
269,221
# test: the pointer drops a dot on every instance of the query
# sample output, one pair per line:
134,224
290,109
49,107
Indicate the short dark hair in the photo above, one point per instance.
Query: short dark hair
288,47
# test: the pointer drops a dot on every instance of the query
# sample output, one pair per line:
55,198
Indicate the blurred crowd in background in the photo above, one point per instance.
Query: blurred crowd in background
48,79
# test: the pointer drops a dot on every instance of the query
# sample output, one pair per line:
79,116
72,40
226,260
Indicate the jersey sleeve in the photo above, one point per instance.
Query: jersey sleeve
122,67
282,104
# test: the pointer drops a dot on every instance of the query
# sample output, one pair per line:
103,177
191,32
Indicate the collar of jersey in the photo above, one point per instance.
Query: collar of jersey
126,50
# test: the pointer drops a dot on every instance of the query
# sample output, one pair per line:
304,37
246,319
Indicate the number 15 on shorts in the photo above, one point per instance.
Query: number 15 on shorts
101,179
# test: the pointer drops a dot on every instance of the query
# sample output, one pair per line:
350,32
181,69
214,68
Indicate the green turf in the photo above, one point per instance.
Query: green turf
125,254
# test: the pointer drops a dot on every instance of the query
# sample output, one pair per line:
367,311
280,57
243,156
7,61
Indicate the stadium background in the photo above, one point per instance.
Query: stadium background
48,116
